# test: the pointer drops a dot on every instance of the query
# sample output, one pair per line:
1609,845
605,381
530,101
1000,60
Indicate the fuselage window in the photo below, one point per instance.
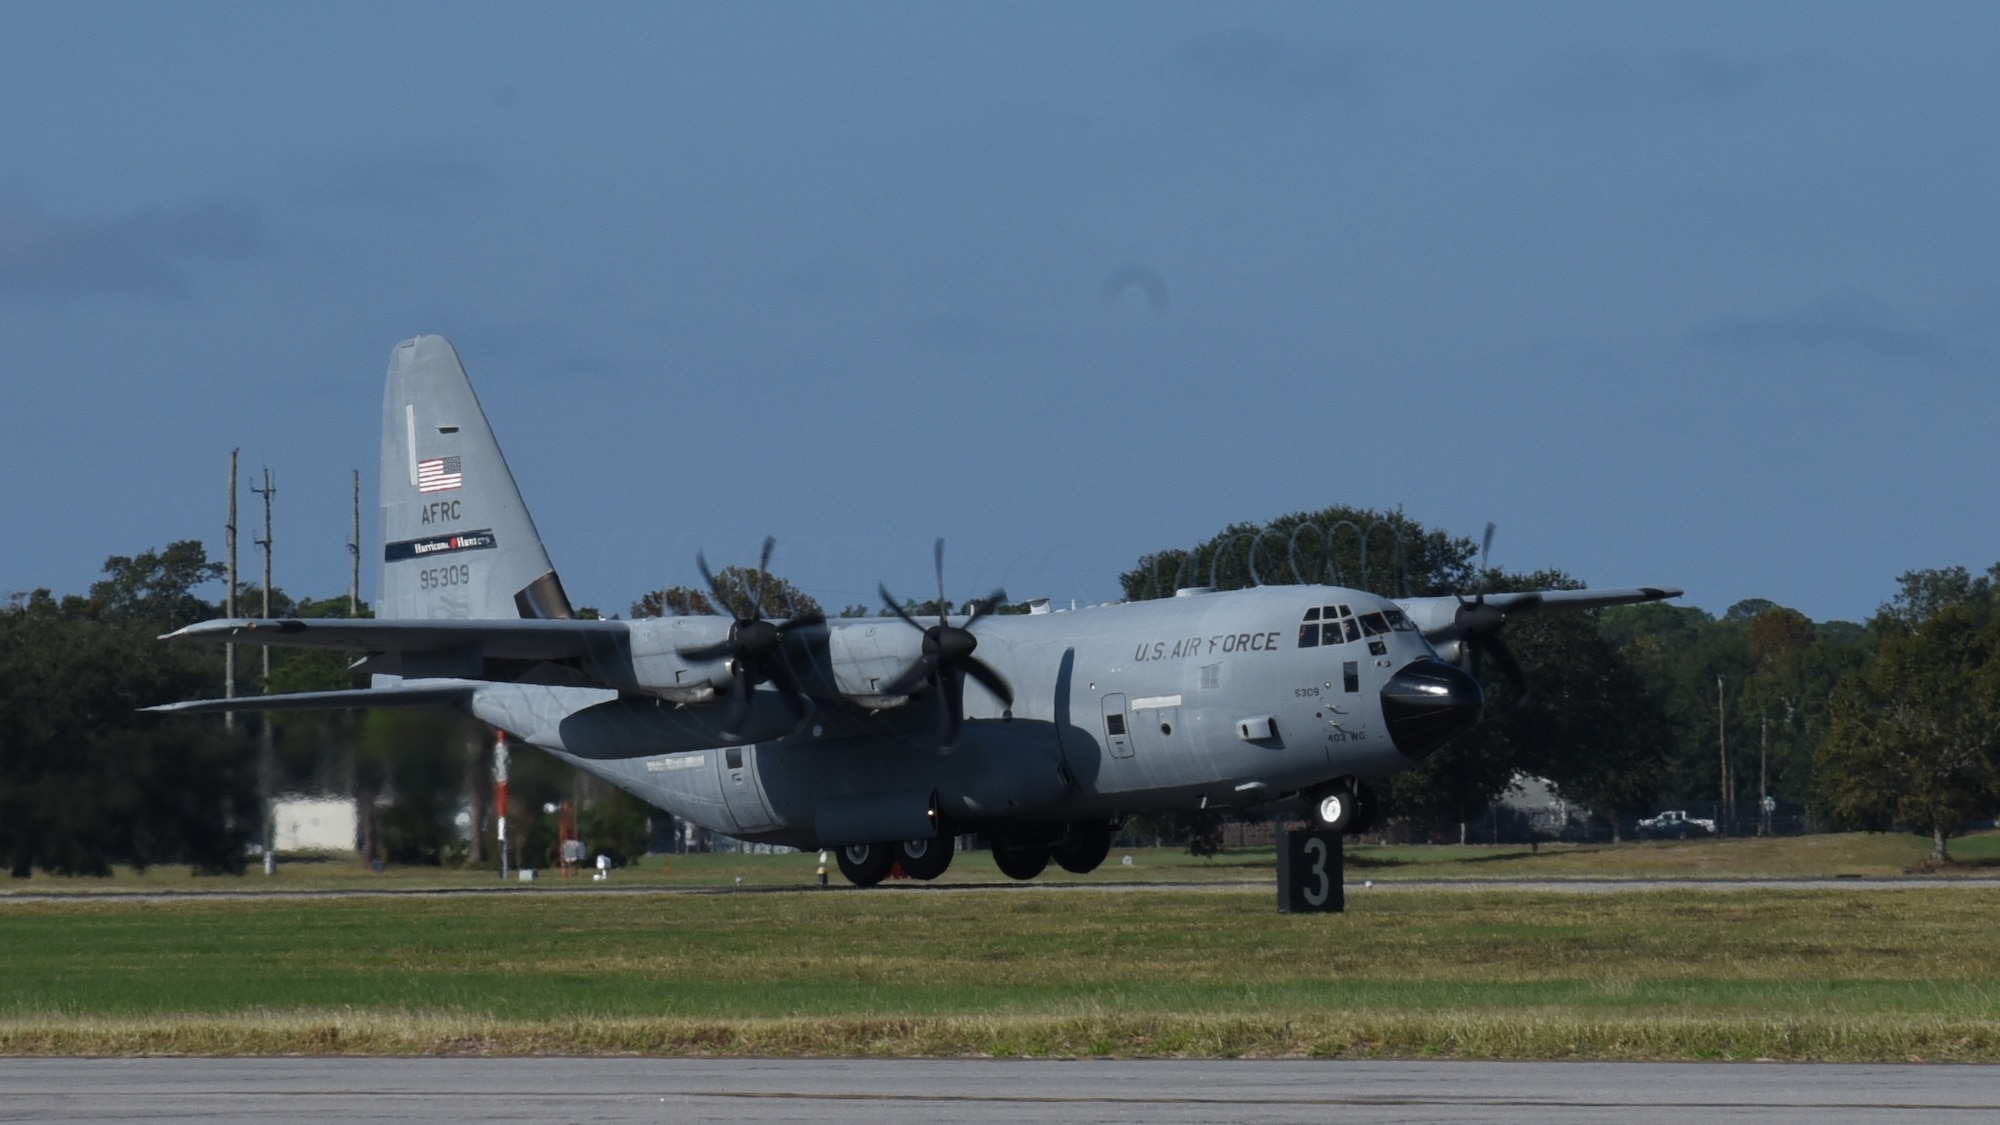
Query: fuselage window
1114,724
1350,676
733,757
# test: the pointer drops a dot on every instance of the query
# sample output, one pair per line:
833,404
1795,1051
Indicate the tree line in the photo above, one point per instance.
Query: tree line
1888,724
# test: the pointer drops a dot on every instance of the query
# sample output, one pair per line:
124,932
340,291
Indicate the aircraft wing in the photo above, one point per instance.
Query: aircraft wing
524,639
454,694
1438,617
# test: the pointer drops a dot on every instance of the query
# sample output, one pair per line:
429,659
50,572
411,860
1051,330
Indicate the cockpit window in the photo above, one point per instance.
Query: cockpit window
1336,624
1398,622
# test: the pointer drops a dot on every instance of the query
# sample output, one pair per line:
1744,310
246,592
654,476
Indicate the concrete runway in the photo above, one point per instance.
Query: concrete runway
881,1092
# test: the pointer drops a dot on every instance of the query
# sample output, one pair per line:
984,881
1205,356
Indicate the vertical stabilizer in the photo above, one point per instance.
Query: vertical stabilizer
457,542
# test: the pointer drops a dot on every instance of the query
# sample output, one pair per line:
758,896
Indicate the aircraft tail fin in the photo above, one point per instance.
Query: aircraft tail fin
457,541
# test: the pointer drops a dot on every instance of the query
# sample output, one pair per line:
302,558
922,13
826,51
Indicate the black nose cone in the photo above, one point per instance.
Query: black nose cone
1428,704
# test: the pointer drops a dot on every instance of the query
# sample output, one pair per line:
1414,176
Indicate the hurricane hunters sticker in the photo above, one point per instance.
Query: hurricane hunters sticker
439,545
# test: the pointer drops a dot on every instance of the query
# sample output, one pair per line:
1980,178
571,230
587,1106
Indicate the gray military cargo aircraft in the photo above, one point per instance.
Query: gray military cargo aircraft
880,738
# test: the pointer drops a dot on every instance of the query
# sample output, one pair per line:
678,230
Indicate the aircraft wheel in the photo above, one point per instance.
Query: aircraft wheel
1364,809
1084,848
924,859
865,864
1019,861
1333,810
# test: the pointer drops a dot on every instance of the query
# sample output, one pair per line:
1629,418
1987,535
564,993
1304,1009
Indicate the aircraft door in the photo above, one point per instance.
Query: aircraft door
1117,726
741,791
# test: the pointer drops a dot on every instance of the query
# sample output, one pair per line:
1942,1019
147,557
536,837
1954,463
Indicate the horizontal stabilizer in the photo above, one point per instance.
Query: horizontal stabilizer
453,694
514,639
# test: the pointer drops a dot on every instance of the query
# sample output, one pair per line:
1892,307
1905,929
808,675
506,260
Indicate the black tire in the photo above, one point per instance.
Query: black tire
1084,848
925,859
1019,861
1364,809
1333,809
865,864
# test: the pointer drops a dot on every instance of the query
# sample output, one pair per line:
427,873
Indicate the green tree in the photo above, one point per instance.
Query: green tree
1355,547
1915,737
781,598
86,780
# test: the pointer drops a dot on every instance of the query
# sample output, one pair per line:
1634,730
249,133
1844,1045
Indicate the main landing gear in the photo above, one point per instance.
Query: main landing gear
1078,848
868,864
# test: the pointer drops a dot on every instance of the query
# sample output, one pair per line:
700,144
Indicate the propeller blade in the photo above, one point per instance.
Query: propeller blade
739,703
789,690
763,574
889,600
937,556
1512,669
803,620
910,681
979,670
991,602
951,703
707,652
714,585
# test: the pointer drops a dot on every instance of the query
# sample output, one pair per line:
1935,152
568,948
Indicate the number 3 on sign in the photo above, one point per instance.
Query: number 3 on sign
1316,848
1309,872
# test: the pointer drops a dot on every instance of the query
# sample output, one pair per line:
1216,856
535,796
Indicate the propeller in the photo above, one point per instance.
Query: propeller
947,656
1479,626
755,647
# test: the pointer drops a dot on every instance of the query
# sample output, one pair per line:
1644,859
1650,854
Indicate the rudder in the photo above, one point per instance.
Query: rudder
457,541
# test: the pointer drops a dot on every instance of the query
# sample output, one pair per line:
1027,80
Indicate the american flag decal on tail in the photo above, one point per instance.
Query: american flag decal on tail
440,475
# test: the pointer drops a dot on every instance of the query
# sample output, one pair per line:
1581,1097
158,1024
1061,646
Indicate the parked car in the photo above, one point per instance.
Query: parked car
1675,824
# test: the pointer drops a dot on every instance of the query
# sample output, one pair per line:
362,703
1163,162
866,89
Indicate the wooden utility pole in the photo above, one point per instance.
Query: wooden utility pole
266,492
229,600
1763,775
1722,747
265,765
354,552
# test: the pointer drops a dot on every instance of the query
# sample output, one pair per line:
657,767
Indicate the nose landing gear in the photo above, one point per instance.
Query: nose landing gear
1347,807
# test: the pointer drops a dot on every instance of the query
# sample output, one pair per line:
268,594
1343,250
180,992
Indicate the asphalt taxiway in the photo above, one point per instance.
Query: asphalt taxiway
890,1092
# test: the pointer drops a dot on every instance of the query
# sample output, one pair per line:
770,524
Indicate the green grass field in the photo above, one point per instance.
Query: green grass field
1738,973
1824,856
1783,857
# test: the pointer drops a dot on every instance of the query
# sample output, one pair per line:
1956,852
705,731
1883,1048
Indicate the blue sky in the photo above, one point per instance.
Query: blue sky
1686,294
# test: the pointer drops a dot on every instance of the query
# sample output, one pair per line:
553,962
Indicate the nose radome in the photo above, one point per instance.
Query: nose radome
1427,704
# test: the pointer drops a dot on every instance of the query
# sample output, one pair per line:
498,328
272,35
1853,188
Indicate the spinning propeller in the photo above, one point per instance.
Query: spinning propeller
1479,627
947,657
756,647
